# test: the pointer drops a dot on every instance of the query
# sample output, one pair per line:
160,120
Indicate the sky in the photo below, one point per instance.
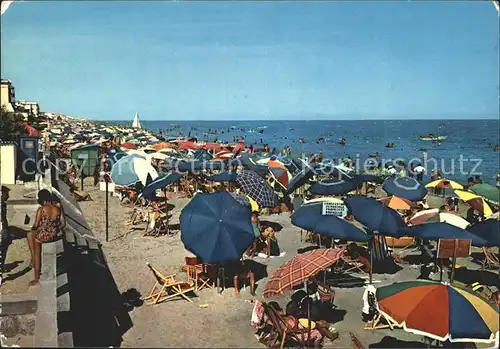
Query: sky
107,60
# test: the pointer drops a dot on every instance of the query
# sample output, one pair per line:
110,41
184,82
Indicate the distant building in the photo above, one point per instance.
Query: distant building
8,95
27,108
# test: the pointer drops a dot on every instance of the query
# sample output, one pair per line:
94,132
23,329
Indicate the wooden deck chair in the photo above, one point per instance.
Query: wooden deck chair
346,264
491,260
202,275
379,321
282,329
356,343
166,287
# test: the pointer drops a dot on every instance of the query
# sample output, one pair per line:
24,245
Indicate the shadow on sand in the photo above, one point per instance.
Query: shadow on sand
391,342
99,316
468,277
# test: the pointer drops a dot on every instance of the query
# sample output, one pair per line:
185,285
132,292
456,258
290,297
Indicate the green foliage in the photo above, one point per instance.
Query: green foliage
11,125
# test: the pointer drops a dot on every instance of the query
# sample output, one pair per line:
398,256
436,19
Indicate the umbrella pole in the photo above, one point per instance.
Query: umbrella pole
166,209
308,314
453,261
371,258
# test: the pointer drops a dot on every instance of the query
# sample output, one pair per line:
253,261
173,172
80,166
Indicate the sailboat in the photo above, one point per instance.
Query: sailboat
136,123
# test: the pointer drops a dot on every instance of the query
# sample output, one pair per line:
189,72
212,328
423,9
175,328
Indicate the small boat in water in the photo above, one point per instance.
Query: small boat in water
433,138
390,145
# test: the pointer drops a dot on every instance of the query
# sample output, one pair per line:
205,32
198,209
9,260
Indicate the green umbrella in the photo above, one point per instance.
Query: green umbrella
488,191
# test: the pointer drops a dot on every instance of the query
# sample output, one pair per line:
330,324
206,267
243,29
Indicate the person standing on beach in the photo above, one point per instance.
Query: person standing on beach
411,171
5,239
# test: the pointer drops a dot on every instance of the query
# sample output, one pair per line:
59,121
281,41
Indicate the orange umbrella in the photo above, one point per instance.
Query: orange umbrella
396,203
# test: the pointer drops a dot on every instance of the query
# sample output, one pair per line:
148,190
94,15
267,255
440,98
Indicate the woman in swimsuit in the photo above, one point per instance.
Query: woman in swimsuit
48,222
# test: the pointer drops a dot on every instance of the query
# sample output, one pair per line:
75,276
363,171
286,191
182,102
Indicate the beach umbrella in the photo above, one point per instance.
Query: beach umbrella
162,145
475,201
223,177
224,155
299,269
375,215
198,165
216,227
310,217
436,216
128,145
444,184
332,187
328,169
300,179
405,187
158,156
362,178
133,168
443,230
160,183
489,230
439,311
250,163
257,188
202,154
396,203
488,191
279,172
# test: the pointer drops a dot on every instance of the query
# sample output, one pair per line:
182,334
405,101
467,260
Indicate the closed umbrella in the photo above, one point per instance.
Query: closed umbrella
216,227
439,311
311,218
405,187
332,187
257,188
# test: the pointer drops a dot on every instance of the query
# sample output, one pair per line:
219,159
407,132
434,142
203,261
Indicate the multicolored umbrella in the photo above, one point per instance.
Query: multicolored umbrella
279,172
439,311
299,269
405,187
475,201
444,184
488,191
435,215
216,227
256,187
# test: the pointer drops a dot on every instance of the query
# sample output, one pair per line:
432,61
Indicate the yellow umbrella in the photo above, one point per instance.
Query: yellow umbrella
475,201
444,183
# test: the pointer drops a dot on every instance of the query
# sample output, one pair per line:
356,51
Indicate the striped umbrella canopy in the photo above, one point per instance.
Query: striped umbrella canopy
434,216
439,311
475,201
299,269
279,172
256,187
444,184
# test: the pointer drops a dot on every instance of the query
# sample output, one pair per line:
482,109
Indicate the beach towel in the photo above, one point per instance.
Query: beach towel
257,314
366,304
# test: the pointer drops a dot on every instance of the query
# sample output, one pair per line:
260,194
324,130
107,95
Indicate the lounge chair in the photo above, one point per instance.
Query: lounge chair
166,287
347,264
491,260
280,328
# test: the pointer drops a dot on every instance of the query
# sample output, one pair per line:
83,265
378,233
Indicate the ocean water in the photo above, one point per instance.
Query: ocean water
471,140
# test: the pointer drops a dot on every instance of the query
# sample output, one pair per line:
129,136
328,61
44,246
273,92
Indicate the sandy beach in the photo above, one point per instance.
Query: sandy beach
226,320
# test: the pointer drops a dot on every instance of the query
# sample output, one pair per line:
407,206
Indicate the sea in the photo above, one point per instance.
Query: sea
469,147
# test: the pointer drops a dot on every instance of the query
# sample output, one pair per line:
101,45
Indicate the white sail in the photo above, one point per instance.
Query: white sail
497,5
136,123
4,6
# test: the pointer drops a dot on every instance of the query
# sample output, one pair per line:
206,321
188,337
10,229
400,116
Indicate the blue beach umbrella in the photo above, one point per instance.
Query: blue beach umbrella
160,183
300,179
489,230
375,216
216,227
332,187
223,177
309,217
405,187
436,231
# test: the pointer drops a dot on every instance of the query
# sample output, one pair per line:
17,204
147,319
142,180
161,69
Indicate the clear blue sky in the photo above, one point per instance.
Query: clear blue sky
268,60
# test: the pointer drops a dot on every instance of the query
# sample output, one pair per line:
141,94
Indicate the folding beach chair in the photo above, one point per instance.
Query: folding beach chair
379,321
491,260
356,343
166,287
